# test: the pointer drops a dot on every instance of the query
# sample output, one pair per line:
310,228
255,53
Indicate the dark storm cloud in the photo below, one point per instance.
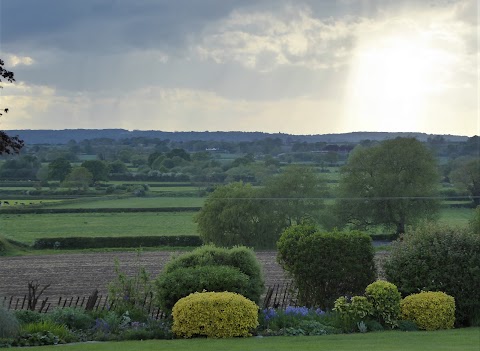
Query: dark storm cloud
107,25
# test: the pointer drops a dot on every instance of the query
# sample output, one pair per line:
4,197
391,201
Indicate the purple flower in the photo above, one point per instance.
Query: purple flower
269,313
319,311
299,311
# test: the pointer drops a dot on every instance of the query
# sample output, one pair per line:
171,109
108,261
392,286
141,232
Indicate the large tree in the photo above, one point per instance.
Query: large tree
234,214
297,194
97,168
239,214
467,175
8,144
59,169
392,184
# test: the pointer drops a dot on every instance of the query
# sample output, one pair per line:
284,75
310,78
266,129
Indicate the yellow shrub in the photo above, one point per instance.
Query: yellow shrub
216,315
429,310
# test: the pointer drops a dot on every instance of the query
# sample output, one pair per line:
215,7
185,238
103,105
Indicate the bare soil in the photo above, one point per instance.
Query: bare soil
81,273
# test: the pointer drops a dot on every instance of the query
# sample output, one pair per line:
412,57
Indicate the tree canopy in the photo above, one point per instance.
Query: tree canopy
8,144
239,214
467,175
392,184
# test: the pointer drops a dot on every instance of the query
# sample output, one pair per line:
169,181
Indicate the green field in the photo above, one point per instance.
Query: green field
467,339
457,217
28,227
133,202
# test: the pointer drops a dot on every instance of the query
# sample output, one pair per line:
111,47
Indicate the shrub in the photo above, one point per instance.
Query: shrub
439,258
429,310
47,326
127,241
72,318
297,321
240,258
352,312
9,325
179,283
27,316
129,293
326,265
385,299
212,314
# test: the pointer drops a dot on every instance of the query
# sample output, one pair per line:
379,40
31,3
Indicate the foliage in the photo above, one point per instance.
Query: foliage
129,293
214,314
8,144
9,326
172,286
97,168
467,175
73,318
435,257
326,265
385,299
297,194
27,316
296,321
352,312
240,258
6,247
393,184
238,214
59,169
235,214
429,310
46,333
79,177
474,224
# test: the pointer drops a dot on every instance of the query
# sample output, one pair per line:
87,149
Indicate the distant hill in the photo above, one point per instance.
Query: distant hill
65,135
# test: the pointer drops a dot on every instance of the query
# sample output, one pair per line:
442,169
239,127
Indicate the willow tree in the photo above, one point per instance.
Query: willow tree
391,184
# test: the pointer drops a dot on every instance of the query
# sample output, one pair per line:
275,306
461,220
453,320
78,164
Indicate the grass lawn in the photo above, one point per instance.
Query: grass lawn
28,227
467,339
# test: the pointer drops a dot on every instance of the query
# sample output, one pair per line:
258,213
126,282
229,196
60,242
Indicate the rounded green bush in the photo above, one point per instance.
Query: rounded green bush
429,310
215,315
436,257
385,298
325,265
241,259
72,318
172,286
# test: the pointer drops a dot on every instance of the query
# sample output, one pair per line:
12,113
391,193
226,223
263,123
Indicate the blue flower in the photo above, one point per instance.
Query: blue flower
299,311
269,313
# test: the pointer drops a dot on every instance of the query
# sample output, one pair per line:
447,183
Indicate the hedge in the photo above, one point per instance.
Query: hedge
126,241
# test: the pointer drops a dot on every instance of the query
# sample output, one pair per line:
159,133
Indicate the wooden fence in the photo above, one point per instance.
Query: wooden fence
276,296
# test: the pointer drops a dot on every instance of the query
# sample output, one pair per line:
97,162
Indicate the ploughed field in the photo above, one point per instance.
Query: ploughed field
79,274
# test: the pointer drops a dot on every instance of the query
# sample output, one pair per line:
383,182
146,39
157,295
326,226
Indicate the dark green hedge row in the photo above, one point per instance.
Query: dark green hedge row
114,242
36,210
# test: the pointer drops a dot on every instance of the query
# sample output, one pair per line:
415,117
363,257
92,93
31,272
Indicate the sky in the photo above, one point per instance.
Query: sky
297,67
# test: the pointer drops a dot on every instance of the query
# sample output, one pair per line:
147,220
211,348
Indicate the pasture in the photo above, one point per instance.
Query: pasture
28,227
466,339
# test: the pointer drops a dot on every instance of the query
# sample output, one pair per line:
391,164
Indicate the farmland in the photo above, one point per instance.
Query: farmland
28,227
